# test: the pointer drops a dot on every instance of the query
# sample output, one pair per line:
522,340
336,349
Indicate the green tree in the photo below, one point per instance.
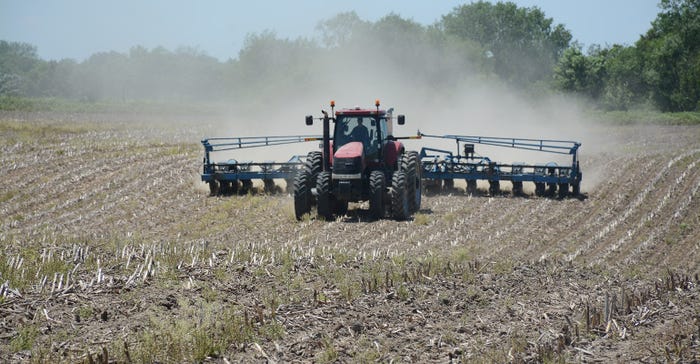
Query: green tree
522,42
17,60
670,56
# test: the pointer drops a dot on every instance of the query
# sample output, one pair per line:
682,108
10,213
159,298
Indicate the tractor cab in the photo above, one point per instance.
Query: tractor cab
369,128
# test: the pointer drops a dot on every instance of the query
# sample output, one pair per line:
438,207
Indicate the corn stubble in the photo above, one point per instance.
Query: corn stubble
112,252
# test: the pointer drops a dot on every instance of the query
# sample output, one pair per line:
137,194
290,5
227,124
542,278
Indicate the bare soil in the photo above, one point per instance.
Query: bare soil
113,251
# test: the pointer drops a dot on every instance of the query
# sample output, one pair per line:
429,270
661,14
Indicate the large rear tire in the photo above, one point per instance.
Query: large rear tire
377,185
314,165
400,209
302,194
411,165
325,198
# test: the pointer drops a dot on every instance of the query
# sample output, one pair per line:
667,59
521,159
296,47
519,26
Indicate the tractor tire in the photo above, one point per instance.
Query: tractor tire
400,208
471,187
411,165
213,187
302,194
325,198
377,185
314,165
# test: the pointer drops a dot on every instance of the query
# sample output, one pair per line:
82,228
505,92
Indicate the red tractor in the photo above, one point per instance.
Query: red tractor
360,161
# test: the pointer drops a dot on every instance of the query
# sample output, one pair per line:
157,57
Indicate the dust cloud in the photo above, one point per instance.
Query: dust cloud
438,94
472,106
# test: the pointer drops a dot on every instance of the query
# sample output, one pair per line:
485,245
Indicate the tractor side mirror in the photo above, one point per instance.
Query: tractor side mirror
402,119
309,120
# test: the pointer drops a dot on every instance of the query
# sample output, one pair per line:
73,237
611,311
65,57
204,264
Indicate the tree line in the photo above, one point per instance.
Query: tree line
481,41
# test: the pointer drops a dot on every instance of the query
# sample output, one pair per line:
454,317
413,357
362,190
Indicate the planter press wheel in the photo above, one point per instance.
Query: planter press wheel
471,187
213,187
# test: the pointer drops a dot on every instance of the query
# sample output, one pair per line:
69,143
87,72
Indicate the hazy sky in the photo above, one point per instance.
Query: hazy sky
78,28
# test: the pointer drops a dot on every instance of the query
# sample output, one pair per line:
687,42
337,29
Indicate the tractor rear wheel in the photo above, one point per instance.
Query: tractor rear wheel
302,194
314,165
399,196
411,165
325,199
377,185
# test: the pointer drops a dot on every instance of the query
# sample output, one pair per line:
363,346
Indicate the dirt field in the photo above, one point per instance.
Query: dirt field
114,252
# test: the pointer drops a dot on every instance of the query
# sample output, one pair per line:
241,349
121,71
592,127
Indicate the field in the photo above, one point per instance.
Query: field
113,251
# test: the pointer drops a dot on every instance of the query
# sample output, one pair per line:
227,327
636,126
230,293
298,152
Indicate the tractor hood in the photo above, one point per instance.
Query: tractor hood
350,150
349,160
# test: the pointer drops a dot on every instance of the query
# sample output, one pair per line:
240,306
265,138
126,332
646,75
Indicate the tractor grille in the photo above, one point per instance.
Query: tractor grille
347,165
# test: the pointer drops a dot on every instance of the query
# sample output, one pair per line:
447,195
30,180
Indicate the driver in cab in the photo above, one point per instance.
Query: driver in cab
360,133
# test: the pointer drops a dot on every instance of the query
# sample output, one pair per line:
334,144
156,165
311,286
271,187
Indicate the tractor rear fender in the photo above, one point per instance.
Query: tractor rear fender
392,151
